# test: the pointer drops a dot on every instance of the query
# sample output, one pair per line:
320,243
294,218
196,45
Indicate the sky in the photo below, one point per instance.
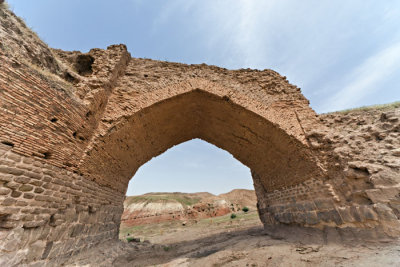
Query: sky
341,53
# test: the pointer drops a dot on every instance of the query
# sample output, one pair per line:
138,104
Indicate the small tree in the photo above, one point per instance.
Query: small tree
245,209
233,216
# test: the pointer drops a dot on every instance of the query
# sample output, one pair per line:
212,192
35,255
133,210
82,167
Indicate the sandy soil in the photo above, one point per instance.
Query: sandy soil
239,242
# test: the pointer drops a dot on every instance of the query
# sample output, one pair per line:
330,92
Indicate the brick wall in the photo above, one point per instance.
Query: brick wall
47,213
314,203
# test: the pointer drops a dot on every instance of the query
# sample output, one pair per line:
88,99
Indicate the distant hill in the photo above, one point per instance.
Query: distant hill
161,207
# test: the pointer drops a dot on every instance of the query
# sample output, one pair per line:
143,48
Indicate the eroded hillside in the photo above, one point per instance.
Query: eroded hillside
162,207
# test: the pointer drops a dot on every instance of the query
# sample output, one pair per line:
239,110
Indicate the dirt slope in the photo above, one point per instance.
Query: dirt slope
160,207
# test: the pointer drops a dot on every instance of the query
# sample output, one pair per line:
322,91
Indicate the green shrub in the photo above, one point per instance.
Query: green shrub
245,209
132,239
166,248
233,216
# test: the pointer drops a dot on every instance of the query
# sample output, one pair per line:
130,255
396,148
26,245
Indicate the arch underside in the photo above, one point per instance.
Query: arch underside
279,159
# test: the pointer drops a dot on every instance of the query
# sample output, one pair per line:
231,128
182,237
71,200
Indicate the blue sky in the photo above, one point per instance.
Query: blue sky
342,54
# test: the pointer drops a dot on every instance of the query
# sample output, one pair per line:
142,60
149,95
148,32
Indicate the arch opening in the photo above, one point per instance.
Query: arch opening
191,167
189,184
276,159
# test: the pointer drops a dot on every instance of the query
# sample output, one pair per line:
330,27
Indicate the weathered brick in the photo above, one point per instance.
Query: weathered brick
324,204
34,224
16,194
368,213
36,182
8,202
25,188
21,203
29,195
345,214
12,185
39,190
311,218
22,180
355,213
385,213
14,157
10,170
4,191
33,175
44,198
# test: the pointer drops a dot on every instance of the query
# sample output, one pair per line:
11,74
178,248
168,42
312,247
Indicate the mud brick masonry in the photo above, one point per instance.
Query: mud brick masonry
75,127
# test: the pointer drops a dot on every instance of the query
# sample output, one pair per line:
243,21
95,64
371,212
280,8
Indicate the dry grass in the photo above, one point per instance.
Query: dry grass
147,231
56,81
4,5
382,107
167,197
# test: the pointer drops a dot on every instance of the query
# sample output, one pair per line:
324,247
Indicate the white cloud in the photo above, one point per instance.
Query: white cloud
365,79
323,47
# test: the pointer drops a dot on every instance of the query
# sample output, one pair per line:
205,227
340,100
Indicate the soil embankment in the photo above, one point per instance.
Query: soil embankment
163,207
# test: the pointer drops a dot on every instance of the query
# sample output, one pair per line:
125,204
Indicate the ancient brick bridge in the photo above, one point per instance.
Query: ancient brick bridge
74,130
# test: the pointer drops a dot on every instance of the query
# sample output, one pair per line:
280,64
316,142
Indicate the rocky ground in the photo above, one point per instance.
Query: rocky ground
241,241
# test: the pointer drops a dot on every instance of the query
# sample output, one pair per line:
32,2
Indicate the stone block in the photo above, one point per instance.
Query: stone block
4,191
16,194
368,213
355,213
345,214
43,198
299,218
35,251
28,195
38,190
33,175
324,204
12,185
300,207
25,188
14,157
34,224
384,212
36,182
311,218
395,205
47,179
309,206
21,203
376,195
6,178
10,170
8,202
22,180
47,250
330,216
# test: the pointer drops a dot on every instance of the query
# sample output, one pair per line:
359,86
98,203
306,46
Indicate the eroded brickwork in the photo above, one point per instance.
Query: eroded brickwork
48,213
75,127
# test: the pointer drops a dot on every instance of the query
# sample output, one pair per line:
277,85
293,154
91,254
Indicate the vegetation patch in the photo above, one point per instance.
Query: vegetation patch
382,107
132,239
173,197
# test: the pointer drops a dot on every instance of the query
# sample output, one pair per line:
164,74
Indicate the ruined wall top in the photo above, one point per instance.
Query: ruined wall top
67,102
